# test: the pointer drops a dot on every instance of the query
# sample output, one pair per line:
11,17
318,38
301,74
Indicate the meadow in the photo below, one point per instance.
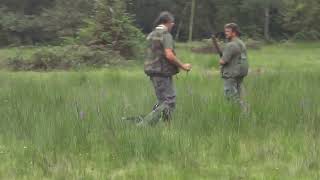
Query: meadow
68,125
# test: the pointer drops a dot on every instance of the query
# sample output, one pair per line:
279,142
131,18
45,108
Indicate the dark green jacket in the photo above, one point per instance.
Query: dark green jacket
235,56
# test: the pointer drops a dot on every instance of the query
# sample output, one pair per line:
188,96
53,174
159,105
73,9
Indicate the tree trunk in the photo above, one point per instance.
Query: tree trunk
193,7
267,23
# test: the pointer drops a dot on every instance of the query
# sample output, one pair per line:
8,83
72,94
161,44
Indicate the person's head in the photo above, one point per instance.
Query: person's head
165,18
231,30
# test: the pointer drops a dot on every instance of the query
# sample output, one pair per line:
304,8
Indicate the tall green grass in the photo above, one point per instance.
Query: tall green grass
67,125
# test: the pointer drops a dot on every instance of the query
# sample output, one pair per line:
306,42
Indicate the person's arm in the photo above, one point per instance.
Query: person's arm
172,58
222,62
228,53
170,55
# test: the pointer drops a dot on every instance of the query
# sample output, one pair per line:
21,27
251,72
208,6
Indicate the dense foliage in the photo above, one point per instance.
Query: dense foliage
115,29
63,58
269,19
113,23
31,21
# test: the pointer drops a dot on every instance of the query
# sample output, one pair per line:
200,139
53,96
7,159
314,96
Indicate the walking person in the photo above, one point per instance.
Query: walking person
160,66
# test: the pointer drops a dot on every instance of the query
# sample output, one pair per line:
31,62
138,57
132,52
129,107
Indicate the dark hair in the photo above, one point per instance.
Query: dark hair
164,18
234,27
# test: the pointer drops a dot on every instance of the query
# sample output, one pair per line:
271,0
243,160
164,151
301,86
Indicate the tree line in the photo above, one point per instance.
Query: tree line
268,19
118,24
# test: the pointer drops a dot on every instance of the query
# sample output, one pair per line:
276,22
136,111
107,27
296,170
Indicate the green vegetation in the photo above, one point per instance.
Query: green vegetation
67,125
51,21
115,29
103,24
61,58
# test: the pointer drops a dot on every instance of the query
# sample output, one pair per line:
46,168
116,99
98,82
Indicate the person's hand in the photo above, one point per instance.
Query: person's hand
187,67
222,62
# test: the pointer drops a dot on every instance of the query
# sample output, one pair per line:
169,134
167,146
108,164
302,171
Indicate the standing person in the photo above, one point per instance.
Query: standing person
234,64
161,65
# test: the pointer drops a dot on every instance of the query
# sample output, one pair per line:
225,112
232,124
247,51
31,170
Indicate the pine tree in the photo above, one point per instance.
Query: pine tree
115,28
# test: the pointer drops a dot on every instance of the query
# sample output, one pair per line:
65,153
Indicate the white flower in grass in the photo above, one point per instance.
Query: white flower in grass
81,115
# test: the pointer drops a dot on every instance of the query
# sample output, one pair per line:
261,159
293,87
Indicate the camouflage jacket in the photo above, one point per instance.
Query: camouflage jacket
156,63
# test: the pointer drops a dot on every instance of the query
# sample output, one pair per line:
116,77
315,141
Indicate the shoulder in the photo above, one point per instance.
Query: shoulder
167,34
242,43
167,37
156,35
150,35
162,33
231,45
240,40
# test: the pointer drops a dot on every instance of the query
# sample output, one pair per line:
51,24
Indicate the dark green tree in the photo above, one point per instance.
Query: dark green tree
115,28
302,19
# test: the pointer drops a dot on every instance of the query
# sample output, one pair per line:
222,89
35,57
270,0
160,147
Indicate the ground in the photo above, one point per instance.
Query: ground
67,125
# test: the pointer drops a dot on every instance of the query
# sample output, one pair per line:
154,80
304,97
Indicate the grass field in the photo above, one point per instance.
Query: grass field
67,125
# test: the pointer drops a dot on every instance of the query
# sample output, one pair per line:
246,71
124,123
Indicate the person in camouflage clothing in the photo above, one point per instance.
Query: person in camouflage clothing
234,65
161,65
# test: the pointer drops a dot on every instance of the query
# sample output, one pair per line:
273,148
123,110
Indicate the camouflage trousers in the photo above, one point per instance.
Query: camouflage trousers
166,100
233,90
